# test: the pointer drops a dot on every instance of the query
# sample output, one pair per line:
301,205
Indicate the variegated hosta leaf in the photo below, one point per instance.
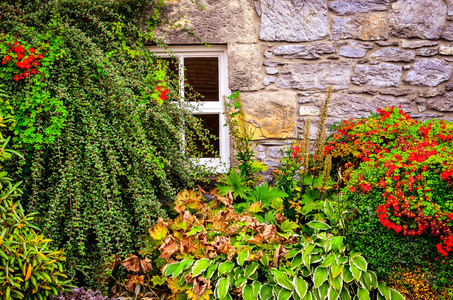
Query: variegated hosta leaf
265,292
222,288
297,261
301,286
185,263
225,267
344,295
284,294
333,294
323,290
395,295
347,275
366,281
251,269
169,269
282,279
242,256
374,282
336,269
210,270
265,259
256,288
247,293
384,290
200,266
319,276
359,262
336,283
318,225
336,241
363,294
356,272
308,296
330,259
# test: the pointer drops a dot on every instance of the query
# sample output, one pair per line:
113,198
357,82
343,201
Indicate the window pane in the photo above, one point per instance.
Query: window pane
202,73
211,123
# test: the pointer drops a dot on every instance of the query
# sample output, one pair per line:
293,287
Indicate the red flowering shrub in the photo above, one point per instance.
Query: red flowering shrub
409,163
25,60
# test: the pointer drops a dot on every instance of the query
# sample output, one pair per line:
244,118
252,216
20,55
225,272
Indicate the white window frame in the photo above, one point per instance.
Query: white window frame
221,164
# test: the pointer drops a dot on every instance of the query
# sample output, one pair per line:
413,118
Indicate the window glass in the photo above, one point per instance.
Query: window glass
211,123
202,73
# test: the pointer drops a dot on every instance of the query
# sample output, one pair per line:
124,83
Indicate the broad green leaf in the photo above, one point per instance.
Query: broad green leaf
194,229
256,288
284,294
185,263
374,282
383,289
288,226
247,293
347,275
328,261
344,295
308,249
328,245
305,272
210,271
328,209
336,283
301,286
308,296
395,295
306,261
242,256
342,260
297,261
336,243
250,269
333,294
265,292
359,262
240,281
293,253
318,225
363,294
366,281
320,275
225,267
265,259
315,258
336,269
200,266
169,269
356,272
282,279
323,290
222,287
380,297
271,278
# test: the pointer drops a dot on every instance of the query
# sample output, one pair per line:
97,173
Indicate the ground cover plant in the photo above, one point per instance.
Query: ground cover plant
398,186
96,117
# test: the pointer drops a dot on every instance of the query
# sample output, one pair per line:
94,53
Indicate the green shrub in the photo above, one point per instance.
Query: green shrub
98,119
29,268
398,189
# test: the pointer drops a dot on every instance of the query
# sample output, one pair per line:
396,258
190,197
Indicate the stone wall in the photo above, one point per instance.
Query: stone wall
283,54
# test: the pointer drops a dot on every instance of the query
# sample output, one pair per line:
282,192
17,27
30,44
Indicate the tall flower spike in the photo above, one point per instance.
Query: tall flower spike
321,134
306,149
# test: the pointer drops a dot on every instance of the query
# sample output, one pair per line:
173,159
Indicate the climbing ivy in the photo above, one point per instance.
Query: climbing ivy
99,120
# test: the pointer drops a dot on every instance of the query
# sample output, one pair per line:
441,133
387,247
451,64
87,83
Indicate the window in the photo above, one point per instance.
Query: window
206,70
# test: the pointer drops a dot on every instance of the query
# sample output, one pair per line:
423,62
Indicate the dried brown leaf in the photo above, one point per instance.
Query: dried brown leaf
168,247
146,265
132,264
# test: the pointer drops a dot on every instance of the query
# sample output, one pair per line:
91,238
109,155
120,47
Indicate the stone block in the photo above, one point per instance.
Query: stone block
221,22
311,51
427,52
378,76
444,103
271,71
417,18
272,114
352,7
387,43
449,86
429,72
268,80
244,66
351,52
293,21
446,49
274,152
347,106
429,93
304,76
309,111
393,54
397,92
448,33
417,44
367,27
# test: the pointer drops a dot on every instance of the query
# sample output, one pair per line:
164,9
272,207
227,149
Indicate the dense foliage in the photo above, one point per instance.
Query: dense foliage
98,121
398,186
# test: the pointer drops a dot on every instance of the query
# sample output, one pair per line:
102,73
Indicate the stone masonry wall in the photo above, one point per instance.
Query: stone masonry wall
283,54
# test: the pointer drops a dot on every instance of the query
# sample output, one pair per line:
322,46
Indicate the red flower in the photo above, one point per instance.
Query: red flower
158,88
32,50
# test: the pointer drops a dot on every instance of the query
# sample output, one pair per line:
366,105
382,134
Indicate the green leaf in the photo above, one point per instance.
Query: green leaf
284,294
297,261
247,293
336,269
333,294
374,282
363,294
347,275
328,261
318,225
308,296
301,286
250,269
265,259
210,271
194,229
282,279
288,226
356,272
320,275
328,209
240,281
366,281
395,295
225,267
336,243
222,287
323,290
359,262
383,289
336,283
200,266
169,269
242,256
256,288
344,295
185,263
265,292
308,250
